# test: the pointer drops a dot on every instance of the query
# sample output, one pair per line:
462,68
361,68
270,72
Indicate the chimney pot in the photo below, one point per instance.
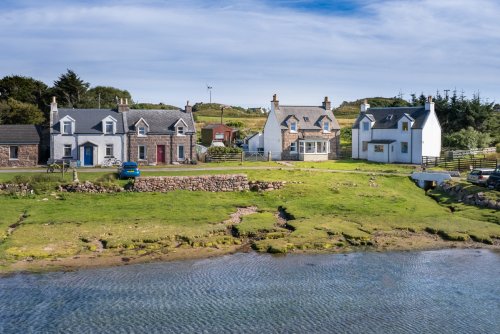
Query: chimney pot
275,103
327,105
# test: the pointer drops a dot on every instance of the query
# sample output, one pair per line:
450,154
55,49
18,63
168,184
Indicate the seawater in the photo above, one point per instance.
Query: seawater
446,291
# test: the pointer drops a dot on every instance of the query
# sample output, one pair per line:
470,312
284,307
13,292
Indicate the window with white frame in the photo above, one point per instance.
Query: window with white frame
14,152
379,148
180,130
109,151
67,128
405,126
301,147
366,126
109,127
404,147
141,131
293,147
67,151
326,126
293,126
180,152
141,152
365,146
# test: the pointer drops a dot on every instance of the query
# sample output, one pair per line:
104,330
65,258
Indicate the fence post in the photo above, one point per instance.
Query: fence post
242,155
269,156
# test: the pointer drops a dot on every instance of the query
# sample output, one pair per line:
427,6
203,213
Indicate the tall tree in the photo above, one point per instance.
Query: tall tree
23,89
15,112
104,97
70,89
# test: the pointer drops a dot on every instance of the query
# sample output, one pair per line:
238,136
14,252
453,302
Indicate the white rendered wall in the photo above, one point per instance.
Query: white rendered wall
431,136
100,140
272,136
355,144
256,142
417,146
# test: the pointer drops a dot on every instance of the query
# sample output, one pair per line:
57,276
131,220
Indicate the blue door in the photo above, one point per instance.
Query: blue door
88,155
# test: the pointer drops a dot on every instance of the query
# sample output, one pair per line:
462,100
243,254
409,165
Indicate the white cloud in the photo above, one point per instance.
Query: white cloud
169,51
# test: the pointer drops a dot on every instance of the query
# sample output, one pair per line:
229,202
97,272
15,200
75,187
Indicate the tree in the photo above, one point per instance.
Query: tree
15,112
467,139
104,97
70,89
23,89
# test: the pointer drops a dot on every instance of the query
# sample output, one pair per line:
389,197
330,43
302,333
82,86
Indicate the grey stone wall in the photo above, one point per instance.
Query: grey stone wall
213,183
27,156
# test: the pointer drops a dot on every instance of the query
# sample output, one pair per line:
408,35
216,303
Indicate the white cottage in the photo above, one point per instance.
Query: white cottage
86,135
396,134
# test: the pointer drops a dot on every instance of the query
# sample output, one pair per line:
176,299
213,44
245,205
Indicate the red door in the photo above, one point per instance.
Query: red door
160,154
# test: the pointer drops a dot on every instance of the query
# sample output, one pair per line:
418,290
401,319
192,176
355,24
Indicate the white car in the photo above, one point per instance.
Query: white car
479,176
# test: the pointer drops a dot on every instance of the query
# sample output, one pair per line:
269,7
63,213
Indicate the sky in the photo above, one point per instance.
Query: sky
248,50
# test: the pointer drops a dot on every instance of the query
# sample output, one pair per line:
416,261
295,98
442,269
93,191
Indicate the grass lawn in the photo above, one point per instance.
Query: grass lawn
325,210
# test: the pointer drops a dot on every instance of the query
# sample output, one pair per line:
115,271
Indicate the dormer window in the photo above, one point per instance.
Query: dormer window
405,126
366,126
326,127
109,127
180,131
141,131
67,128
293,127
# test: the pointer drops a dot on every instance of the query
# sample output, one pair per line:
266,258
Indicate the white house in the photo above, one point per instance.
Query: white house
396,134
255,142
308,133
86,135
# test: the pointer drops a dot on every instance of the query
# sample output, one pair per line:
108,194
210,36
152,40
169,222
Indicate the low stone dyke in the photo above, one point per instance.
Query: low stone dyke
89,187
212,183
462,195
17,188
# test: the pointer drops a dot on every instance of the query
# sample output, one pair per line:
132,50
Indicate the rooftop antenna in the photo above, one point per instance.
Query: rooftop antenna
209,88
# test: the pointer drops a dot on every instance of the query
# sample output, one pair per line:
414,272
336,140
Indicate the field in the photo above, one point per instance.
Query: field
315,211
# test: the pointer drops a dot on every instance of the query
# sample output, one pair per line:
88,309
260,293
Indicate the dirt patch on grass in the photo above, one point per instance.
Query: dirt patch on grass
235,218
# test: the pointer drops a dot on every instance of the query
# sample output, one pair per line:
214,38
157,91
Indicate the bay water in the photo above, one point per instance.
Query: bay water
445,291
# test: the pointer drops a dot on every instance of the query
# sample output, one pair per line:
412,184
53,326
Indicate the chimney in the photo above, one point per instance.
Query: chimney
275,104
188,109
123,105
327,105
365,106
53,111
429,105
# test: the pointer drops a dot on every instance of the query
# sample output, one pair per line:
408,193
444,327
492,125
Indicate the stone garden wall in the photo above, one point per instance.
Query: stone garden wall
213,183
462,195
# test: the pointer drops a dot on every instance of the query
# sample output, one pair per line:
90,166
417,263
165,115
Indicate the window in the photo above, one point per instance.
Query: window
109,127
109,150
306,119
366,126
293,127
320,147
405,126
219,136
67,128
379,148
14,152
180,130
180,152
293,147
310,147
404,147
141,131
326,127
142,152
67,151
301,147
365,146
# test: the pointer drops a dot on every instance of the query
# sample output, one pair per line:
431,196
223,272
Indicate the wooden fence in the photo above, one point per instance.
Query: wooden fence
221,157
460,164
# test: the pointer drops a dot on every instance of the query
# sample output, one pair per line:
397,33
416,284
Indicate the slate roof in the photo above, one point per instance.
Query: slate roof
308,117
382,121
19,134
89,121
160,121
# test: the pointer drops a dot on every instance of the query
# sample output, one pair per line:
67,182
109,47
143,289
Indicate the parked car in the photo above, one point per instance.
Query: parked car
479,176
493,181
129,169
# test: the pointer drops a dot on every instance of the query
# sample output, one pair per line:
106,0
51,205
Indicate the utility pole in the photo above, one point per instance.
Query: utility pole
99,101
209,88
446,93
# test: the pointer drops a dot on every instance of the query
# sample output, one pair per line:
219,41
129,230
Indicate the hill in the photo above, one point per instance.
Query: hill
351,109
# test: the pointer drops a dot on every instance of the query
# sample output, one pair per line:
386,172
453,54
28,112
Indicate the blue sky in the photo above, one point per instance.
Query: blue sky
247,50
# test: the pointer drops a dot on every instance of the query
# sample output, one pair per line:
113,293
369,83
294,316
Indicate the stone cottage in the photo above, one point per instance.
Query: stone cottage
157,137
308,133
19,145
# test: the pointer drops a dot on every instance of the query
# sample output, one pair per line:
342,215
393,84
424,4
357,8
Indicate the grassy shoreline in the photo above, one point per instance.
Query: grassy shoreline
314,212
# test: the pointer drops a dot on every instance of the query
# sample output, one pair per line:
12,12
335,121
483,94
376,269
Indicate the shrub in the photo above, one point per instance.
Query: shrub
467,139
223,150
